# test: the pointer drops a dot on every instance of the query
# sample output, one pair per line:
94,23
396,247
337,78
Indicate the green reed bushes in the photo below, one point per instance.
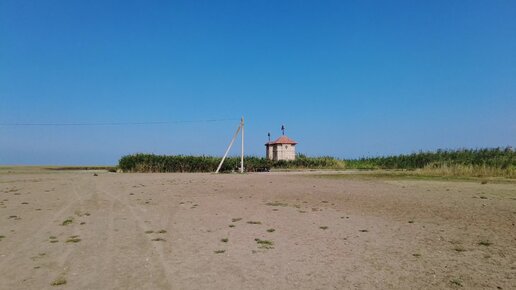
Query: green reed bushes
491,157
467,170
462,162
164,163
304,162
180,163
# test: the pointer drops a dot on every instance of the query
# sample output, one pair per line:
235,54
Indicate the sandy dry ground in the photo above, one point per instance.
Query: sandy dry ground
329,233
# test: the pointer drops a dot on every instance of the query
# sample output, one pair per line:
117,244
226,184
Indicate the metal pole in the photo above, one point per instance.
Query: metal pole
229,147
242,157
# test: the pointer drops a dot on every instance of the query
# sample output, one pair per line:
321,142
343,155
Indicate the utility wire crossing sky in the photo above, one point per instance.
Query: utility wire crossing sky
117,123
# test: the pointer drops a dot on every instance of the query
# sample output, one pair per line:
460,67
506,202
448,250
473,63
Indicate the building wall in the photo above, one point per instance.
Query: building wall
283,152
268,152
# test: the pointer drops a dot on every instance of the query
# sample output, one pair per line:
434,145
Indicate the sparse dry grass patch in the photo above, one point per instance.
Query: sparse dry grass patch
486,243
456,282
276,203
39,256
73,239
67,221
459,249
59,281
264,244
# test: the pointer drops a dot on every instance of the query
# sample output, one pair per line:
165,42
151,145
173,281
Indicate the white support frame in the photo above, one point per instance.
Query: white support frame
240,127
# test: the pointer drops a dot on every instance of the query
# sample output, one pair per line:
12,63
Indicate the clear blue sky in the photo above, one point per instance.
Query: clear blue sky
347,78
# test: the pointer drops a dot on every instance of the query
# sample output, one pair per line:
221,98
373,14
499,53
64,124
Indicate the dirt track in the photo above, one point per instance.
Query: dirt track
381,234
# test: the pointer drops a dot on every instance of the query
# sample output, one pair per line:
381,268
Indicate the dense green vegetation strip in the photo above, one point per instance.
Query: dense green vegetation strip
463,162
180,163
490,162
491,157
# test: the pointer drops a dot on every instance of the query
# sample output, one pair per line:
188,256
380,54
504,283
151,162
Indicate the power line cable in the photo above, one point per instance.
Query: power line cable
115,123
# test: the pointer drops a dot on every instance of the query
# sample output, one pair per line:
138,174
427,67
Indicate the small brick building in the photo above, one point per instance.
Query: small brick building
283,148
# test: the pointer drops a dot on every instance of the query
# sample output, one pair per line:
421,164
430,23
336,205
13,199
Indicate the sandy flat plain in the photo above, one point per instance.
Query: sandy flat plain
253,231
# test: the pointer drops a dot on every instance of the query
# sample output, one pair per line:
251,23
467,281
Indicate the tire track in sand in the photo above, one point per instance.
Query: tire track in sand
140,222
104,269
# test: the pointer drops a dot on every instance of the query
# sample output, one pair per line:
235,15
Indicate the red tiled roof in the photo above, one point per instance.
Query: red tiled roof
282,140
